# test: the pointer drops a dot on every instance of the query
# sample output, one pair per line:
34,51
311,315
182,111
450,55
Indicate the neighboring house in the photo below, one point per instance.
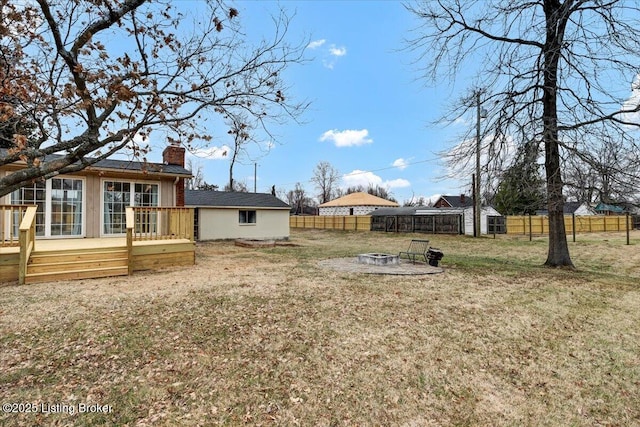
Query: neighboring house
460,201
573,208
91,203
234,215
608,209
355,204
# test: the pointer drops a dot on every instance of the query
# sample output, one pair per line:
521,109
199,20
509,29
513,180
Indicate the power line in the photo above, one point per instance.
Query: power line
367,171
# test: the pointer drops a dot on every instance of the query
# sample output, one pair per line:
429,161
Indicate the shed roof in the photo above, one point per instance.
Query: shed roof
405,210
228,199
358,199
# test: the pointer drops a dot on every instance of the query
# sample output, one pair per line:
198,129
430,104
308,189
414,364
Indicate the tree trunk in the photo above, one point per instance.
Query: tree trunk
558,255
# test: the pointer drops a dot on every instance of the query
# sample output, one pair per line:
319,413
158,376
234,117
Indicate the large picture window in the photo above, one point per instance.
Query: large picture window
60,206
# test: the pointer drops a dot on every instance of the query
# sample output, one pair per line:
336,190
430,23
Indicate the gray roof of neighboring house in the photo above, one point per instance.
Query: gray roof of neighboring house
568,208
126,165
227,199
456,201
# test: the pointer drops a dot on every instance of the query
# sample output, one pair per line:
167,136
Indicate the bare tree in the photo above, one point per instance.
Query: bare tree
97,77
548,70
238,186
373,189
325,177
298,199
609,174
195,182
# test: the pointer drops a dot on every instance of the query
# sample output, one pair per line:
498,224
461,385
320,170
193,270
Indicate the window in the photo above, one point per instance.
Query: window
247,217
34,194
118,195
60,206
66,207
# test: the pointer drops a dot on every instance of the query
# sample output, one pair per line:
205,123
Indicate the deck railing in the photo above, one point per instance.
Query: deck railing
10,219
159,223
27,239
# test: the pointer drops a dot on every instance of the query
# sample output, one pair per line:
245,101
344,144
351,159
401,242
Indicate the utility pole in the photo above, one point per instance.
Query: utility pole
476,197
255,177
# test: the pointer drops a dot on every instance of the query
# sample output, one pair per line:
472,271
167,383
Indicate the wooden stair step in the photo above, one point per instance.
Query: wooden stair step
61,256
77,274
67,266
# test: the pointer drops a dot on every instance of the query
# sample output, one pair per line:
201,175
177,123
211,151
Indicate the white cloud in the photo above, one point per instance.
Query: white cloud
316,44
400,163
365,179
337,51
331,53
212,153
397,183
359,177
347,138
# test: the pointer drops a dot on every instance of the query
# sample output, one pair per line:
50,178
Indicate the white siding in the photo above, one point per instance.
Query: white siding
468,219
217,223
346,210
583,210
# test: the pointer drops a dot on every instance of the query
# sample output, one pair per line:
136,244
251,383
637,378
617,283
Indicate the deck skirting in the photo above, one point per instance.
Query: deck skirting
69,259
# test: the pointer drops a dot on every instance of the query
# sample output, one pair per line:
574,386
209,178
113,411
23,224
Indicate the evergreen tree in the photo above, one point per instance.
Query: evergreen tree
521,190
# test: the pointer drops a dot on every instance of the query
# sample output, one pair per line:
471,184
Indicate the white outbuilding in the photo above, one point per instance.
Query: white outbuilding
355,204
238,215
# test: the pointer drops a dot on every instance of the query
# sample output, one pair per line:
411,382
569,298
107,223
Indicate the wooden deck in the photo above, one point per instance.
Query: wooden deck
156,237
68,259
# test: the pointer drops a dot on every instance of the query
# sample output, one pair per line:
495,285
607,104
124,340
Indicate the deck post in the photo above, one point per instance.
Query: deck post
130,221
26,239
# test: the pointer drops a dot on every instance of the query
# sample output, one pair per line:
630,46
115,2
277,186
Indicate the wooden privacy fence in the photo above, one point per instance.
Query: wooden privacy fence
332,222
539,224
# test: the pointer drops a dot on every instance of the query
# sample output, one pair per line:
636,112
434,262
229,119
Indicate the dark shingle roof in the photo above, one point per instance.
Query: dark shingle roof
129,165
126,165
226,199
456,201
567,209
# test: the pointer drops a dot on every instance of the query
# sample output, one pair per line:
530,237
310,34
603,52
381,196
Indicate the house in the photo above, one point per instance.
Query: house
609,209
92,203
238,215
460,201
111,218
359,203
573,208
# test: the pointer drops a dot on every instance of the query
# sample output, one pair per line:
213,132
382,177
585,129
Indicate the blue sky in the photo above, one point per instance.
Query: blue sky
369,116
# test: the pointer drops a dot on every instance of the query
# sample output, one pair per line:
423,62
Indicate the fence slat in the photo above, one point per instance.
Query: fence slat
521,224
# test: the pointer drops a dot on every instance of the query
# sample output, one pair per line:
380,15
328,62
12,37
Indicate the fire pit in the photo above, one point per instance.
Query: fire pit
377,259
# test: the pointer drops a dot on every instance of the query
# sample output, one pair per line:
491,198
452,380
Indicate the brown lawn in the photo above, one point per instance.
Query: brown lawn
267,337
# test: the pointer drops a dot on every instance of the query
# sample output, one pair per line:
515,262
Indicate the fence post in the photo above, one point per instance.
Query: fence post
530,230
627,227
573,225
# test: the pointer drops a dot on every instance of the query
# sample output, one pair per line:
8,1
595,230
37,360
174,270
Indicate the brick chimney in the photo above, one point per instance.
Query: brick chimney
462,199
174,155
